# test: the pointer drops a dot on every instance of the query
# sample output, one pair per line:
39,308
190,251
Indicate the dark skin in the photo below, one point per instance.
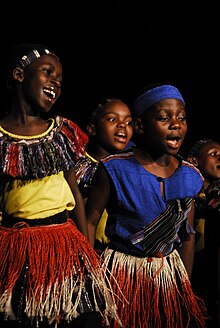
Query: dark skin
111,130
36,89
161,131
208,162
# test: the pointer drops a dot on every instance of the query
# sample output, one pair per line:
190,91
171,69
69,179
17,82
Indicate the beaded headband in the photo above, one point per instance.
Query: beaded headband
32,55
151,97
99,107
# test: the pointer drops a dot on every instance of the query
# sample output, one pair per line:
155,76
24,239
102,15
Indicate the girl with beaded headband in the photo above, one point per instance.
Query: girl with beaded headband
110,129
50,274
148,192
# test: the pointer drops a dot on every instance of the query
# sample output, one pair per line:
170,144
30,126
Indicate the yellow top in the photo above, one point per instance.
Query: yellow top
100,229
36,199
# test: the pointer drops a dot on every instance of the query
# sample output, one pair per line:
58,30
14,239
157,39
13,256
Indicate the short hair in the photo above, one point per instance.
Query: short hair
196,147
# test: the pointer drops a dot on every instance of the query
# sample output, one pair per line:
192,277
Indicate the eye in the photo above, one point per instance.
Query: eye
162,118
47,70
182,118
130,123
111,119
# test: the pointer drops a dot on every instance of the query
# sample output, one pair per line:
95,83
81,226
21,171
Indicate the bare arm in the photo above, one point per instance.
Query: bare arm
187,249
97,202
78,213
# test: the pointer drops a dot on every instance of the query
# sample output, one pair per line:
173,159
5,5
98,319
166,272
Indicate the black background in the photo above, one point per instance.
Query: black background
114,48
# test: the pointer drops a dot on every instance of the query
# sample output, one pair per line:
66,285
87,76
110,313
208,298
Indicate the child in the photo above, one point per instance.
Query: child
50,274
110,130
148,193
205,155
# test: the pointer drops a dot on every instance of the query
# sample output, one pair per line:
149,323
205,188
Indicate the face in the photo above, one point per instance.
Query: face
113,126
41,82
209,160
164,126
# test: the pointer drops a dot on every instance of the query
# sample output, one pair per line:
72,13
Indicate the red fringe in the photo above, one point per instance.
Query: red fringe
53,253
151,291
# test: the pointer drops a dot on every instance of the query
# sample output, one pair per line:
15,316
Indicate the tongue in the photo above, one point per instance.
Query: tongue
172,143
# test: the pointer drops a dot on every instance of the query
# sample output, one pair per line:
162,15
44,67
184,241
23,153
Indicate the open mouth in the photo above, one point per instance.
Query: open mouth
174,142
121,136
50,93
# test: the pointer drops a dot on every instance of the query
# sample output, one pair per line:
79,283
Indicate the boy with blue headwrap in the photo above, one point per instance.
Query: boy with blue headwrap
148,192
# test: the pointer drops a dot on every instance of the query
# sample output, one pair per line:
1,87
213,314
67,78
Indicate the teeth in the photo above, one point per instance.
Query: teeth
51,92
121,133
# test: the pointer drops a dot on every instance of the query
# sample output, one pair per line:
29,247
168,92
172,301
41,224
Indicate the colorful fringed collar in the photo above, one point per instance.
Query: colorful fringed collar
32,157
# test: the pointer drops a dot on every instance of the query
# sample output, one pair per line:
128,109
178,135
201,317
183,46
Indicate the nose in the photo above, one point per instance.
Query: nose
175,124
56,81
121,123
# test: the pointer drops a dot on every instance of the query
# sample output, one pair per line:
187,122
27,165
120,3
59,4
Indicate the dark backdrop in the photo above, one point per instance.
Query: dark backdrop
114,48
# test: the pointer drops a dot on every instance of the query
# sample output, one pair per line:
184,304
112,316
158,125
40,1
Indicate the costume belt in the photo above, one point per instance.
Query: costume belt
8,221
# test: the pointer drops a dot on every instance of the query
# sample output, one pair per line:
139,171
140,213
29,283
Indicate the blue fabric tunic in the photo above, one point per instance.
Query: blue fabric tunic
136,199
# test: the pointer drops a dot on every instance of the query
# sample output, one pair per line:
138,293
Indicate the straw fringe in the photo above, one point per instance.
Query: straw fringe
155,297
62,267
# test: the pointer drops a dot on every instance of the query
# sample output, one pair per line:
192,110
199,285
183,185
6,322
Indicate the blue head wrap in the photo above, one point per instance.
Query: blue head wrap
151,97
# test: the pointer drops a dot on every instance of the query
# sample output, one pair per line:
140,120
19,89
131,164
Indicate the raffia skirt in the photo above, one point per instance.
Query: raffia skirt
157,292
51,272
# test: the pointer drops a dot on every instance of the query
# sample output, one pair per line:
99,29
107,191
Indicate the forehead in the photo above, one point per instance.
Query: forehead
115,107
170,103
46,59
209,145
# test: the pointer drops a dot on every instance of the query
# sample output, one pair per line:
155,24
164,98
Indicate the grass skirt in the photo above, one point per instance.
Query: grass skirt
158,292
56,273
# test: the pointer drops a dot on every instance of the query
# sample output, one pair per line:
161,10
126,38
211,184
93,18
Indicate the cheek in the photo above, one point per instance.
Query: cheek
205,166
104,133
130,132
185,128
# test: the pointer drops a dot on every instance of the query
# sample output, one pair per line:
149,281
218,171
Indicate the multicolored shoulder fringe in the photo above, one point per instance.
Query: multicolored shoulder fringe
85,169
32,157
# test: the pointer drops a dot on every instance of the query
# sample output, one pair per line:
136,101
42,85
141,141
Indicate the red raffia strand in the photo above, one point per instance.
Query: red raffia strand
76,136
57,257
150,287
13,159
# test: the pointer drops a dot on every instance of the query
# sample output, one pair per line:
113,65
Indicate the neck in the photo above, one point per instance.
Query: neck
96,151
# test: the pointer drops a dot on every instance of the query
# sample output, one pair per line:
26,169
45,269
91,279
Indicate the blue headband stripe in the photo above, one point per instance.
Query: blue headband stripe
151,97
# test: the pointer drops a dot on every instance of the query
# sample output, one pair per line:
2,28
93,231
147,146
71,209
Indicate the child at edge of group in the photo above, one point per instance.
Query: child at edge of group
50,274
205,155
148,192
109,129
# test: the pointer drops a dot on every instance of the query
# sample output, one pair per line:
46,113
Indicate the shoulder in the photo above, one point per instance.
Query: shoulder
65,123
189,166
72,134
122,155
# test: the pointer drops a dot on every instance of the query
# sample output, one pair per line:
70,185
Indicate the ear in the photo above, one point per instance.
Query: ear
193,160
137,125
91,129
18,74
